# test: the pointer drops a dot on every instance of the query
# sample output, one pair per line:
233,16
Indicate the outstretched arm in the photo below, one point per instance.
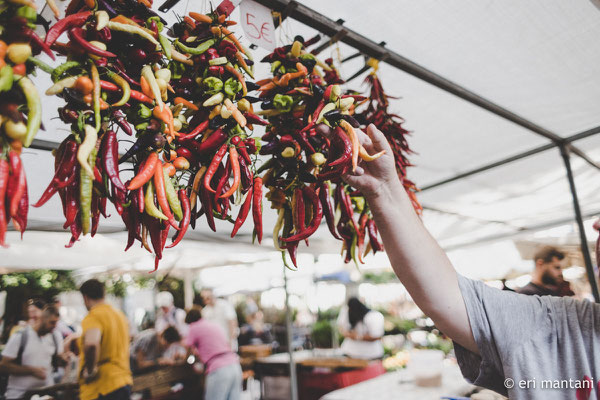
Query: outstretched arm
417,259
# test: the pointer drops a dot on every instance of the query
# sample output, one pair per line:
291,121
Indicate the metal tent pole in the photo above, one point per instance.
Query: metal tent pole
564,152
288,329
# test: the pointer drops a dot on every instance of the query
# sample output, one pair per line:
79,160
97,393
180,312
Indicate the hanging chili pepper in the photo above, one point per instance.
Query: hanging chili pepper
216,139
110,154
161,195
64,24
146,171
328,209
71,205
20,183
212,168
85,192
185,220
65,172
257,207
316,220
243,214
76,230
149,206
34,107
235,168
172,196
207,204
4,174
195,132
86,148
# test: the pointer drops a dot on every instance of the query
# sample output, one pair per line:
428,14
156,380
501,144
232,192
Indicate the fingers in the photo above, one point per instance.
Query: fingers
363,138
378,139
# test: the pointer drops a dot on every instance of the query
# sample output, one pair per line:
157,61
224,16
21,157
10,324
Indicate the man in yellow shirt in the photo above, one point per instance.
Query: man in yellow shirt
105,372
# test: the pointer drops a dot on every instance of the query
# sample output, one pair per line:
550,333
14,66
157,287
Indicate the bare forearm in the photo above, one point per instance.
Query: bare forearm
420,263
91,357
15,369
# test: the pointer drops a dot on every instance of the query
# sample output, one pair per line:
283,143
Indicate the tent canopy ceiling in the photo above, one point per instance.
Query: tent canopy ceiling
537,59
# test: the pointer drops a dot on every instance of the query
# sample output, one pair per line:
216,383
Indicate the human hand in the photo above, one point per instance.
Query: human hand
165,361
372,177
89,376
38,372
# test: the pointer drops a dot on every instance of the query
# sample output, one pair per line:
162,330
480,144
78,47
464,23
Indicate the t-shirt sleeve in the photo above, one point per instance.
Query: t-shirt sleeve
375,324
60,348
11,350
342,320
492,315
91,322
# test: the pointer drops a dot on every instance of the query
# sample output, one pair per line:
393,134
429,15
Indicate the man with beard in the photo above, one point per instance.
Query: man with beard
547,279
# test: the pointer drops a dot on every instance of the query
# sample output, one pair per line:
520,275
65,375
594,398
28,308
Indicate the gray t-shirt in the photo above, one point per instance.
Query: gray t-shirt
541,346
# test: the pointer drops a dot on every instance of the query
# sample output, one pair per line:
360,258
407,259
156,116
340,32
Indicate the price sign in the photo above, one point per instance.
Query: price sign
257,23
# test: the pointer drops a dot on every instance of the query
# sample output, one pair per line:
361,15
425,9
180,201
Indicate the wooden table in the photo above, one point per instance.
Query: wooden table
399,386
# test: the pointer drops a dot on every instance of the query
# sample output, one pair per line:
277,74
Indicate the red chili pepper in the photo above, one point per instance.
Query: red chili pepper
155,229
110,158
71,205
4,171
95,213
257,207
77,36
316,220
372,229
222,176
64,175
243,214
246,176
36,40
128,220
75,232
345,145
185,221
235,170
213,166
328,209
216,139
17,180
139,194
255,119
68,22
207,203
360,240
195,132
21,217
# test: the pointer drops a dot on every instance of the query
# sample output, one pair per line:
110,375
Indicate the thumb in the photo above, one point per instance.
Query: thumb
378,138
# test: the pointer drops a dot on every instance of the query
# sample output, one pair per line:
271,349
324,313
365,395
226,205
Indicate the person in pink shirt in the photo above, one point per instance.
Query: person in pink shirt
221,365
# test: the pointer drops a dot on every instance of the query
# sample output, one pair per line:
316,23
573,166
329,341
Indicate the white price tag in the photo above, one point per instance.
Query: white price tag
257,23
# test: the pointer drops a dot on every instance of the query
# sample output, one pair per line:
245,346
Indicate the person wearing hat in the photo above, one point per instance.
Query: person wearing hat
169,315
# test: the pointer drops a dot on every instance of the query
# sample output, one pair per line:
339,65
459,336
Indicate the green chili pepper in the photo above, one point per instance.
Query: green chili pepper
196,50
172,197
6,78
214,100
136,30
166,45
124,85
149,204
27,12
86,186
237,130
283,102
64,67
232,86
275,65
353,249
142,126
143,112
42,65
177,69
212,85
159,23
307,57
96,95
34,106
359,202
218,61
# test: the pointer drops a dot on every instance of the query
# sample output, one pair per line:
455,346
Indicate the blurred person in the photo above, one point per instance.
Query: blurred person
169,315
62,327
104,359
33,312
221,312
547,278
362,329
222,368
32,354
254,331
150,349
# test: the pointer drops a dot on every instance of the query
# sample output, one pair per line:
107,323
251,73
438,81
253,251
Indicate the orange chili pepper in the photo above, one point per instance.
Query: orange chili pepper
91,4
222,18
215,30
267,86
20,69
354,140
181,163
189,21
89,100
146,3
214,165
235,113
167,117
263,82
145,173
161,194
201,17
170,168
364,155
187,103
235,168
3,49
146,87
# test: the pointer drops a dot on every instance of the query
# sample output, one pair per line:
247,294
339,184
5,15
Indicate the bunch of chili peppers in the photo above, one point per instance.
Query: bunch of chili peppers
301,105
218,114
390,124
20,107
115,77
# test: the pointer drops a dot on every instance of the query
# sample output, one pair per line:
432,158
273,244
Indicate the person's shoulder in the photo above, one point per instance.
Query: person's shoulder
374,316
